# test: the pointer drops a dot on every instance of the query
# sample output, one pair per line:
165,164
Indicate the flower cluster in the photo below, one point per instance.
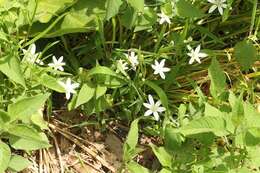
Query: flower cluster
32,57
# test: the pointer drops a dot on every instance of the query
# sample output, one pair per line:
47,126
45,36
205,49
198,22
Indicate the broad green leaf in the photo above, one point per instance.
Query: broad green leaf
186,9
85,94
18,163
216,125
10,66
173,138
5,155
37,119
103,71
212,111
81,17
147,20
245,54
238,111
132,137
25,132
162,155
46,9
97,105
26,138
253,153
166,171
218,79
112,8
159,91
252,137
4,117
137,4
100,91
129,18
134,167
251,115
51,83
24,108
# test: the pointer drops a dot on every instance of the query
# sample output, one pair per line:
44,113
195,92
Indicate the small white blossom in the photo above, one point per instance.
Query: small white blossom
195,54
159,68
31,55
123,64
153,108
69,87
217,4
57,64
164,18
133,59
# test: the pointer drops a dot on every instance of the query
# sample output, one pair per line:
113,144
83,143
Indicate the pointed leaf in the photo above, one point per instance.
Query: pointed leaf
218,79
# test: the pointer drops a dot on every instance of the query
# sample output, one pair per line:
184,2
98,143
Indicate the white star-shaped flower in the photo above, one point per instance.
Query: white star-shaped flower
164,18
133,59
31,55
69,87
153,108
57,64
195,54
160,69
123,64
220,4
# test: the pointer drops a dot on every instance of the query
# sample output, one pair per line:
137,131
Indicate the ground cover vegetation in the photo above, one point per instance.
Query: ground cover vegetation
181,77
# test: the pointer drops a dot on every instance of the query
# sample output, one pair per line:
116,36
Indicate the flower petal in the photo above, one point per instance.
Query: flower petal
212,8
147,105
161,109
33,49
162,75
156,116
220,9
203,55
148,112
150,98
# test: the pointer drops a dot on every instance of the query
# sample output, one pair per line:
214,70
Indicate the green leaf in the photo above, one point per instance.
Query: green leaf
51,83
218,79
112,8
37,119
132,137
129,18
24,108
162,155
245,54
4,117
166,171
134,167
252,137
85,94
46,9
103,71
97,105
100,91
251,116
147,20
212,111
237,111
5,155
186,9
10,66
137,4
82,17
18,163
173,138
216,125
26,138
